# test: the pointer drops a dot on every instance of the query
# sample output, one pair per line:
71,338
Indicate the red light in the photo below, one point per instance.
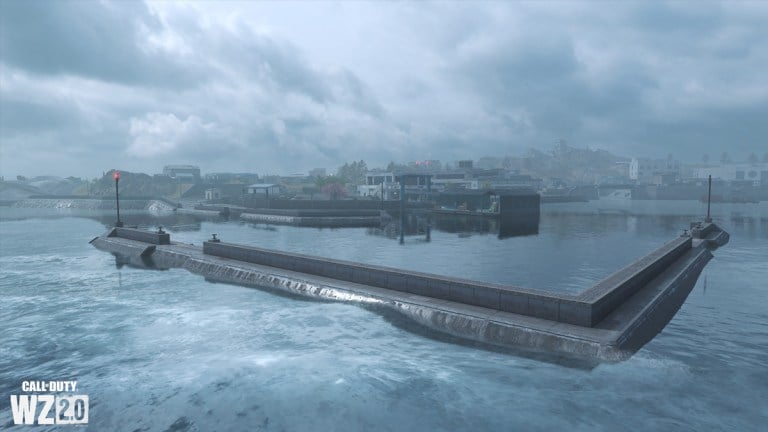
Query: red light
116,175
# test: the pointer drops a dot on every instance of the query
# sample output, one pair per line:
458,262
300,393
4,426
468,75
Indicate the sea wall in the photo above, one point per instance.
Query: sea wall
644,295
156,238
586,309
534,303
614,290
653,314
256,201
314,221
316,212
200,212
154,204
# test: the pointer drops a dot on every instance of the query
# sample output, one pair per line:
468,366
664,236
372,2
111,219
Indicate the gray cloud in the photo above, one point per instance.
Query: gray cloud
260,87
88,39
22,117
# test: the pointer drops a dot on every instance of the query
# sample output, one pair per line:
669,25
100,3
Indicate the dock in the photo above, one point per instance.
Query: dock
608,321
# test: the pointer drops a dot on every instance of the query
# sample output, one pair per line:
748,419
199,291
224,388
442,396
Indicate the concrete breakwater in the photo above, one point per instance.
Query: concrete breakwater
318,218
309,219
84,203
209,214
608,321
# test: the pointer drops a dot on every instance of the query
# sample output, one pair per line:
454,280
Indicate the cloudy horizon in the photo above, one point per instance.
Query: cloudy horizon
271,87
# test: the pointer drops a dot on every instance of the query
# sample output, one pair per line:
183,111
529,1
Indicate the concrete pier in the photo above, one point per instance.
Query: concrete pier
209,214
608,321
316,218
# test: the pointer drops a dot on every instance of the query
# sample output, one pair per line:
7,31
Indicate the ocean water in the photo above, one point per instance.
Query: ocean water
166,350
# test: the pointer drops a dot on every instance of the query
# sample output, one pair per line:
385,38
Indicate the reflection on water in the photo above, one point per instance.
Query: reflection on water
421,225
168,351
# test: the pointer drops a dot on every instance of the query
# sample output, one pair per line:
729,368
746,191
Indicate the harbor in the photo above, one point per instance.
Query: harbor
125,324
608,321
383,216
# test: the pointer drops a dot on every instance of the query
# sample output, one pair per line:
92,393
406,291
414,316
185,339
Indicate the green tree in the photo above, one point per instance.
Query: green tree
392,167
323,181
353,172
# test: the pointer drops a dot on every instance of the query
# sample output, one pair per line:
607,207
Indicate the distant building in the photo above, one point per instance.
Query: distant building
466,164
756,173
378,183
417,185
232,178
429,165
490,162
519,180
377,178
476,178
268,189
649,171
454,180
293,179
212,194
182,172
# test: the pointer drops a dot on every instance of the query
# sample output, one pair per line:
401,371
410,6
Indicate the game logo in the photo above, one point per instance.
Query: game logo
49,403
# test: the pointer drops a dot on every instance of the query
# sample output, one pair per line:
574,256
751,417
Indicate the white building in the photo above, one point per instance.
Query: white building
454,179
647,171
377,183
757,173
182,172
212,194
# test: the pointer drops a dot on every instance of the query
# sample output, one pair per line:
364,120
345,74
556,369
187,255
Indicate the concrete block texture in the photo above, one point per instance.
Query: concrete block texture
142,235
586,309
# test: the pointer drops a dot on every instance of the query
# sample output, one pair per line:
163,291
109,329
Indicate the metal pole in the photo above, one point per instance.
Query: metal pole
402,210
117,199
709,199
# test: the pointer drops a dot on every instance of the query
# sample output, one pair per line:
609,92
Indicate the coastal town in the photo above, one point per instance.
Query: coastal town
563,174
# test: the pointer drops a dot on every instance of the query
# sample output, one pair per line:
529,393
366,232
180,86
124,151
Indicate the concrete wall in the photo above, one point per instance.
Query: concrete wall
318,222
509,299
358,204
141,235
222,210
611,292
520,205
316,212
586,309
702,231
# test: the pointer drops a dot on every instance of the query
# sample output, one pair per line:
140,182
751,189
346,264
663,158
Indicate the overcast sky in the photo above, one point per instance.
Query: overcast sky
285,87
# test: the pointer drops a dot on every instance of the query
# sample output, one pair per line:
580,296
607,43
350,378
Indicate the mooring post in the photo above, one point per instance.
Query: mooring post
709,199
116,175
402,210
381,205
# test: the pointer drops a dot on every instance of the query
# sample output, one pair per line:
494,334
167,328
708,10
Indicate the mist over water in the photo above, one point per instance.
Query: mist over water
166,350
